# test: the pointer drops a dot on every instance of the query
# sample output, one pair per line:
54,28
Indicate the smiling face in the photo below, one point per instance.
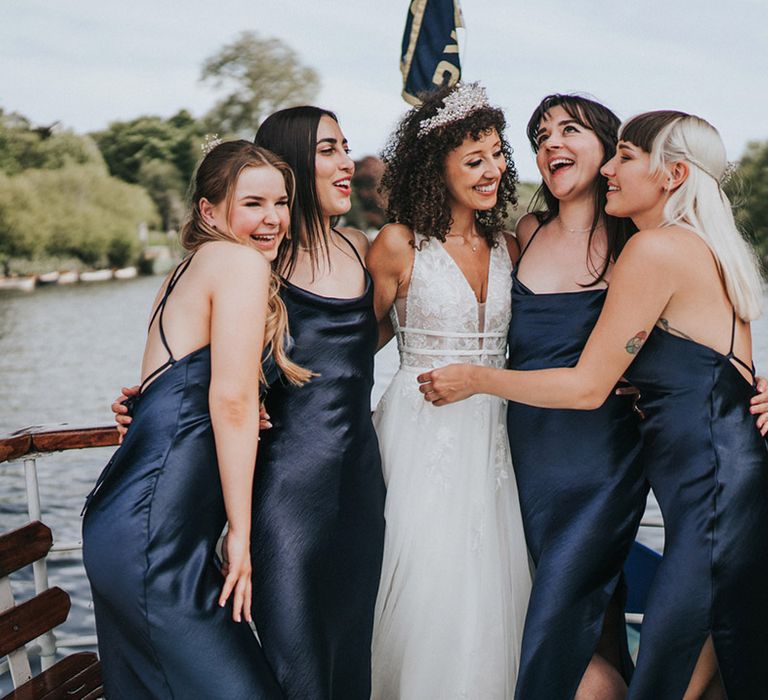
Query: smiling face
633,190
333,169
568,154
259,215
473,171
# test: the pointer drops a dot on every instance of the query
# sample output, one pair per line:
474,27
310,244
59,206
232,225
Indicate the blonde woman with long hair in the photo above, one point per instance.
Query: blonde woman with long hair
676,321
169,623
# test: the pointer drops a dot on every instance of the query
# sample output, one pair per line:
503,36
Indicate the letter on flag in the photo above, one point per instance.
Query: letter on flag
430,56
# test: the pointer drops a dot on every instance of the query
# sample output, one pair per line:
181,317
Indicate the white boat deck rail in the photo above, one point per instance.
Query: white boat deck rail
23,448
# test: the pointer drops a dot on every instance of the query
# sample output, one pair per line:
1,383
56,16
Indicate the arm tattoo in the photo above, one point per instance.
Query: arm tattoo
635,342
664,324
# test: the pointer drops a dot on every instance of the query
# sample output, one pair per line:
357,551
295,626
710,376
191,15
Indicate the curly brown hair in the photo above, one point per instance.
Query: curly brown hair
413,182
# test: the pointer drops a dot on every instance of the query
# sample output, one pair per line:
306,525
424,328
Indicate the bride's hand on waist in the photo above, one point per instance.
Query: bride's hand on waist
447,384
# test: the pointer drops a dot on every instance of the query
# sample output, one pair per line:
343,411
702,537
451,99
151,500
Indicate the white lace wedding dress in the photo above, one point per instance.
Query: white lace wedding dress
455,578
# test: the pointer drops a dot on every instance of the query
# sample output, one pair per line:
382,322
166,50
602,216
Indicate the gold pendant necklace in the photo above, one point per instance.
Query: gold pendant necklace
474,246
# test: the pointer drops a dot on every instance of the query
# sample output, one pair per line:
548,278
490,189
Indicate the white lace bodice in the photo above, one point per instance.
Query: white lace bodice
440,321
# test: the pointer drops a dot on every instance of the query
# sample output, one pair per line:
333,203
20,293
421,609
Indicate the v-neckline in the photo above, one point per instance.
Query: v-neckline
464,277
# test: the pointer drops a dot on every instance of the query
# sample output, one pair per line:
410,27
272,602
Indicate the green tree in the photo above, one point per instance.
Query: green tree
260,76
74,211
23,146
748,190
159,154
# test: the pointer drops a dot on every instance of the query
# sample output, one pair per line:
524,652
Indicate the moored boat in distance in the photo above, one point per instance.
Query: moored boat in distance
17,284
126,273
96,275
68,277
48,278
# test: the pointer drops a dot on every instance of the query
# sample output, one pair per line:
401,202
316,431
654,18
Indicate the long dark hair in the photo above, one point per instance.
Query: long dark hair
414,182
605,125
292,134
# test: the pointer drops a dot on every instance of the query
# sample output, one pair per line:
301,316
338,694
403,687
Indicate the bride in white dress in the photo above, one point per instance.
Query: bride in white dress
455,578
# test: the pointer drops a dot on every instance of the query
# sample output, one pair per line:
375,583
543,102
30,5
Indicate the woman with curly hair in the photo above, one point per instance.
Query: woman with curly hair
455,578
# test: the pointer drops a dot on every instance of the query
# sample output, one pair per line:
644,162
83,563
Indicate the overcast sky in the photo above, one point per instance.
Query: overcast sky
87,62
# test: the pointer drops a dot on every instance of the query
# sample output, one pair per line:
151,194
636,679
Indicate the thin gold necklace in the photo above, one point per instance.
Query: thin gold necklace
574,230
474,246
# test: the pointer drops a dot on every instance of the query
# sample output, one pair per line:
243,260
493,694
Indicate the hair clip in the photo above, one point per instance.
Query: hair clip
209,143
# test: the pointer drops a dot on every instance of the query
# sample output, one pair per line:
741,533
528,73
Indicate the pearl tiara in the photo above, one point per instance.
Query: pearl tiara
465,99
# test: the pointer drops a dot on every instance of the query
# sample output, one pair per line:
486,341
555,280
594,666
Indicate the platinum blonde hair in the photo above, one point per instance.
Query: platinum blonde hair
699,203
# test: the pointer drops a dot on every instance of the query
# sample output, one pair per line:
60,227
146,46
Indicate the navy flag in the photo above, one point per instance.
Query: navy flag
430,56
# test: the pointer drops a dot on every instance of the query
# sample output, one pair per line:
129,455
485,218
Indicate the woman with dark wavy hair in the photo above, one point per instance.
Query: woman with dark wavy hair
581,480
455,579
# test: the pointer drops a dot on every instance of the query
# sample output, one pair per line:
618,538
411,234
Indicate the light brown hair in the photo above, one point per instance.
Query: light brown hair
215,180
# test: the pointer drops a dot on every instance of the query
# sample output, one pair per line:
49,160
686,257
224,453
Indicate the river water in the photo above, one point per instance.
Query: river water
64,354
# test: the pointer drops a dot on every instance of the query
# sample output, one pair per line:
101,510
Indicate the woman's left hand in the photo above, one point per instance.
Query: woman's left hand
236,569
446,384
759,405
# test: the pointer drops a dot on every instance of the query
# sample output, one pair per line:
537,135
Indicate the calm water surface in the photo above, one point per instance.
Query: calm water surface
64,354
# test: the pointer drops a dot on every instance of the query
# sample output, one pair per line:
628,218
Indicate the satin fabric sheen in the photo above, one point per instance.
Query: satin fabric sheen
318,525
708,467
582,494
149,535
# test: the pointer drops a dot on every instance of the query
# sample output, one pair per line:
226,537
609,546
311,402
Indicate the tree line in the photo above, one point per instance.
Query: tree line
69,200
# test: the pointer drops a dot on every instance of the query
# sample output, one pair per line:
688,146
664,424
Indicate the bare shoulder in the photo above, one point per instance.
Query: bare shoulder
357,238
655,254
394,239
652,242
525,228
513,247
391,253
215,257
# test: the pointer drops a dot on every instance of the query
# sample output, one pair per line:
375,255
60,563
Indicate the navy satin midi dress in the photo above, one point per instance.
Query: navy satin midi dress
149,534
582,495
318,506
708,467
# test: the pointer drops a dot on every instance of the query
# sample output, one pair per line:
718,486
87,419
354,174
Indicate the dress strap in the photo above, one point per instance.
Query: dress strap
730,354
158,314
351,245
528,245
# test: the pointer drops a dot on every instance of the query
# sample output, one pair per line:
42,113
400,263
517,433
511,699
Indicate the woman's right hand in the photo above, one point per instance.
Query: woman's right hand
237,569
122,418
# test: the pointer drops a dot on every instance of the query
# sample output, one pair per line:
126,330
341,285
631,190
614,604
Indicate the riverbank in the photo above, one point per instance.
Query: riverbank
29,283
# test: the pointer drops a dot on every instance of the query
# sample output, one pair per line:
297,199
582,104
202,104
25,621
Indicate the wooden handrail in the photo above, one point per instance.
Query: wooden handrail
54,438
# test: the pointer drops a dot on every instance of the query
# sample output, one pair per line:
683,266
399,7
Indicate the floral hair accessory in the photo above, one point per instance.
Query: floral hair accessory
730,169
209,143
465,99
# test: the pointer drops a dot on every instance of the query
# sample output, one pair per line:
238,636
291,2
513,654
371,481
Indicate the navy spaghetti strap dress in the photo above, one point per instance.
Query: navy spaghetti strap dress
582,495
318,511
708,467
149,534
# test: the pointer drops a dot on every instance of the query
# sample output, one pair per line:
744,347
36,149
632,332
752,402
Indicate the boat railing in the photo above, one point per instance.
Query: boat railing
24,448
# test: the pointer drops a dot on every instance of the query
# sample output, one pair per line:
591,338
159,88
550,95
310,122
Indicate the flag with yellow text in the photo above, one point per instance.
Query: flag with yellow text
430,55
